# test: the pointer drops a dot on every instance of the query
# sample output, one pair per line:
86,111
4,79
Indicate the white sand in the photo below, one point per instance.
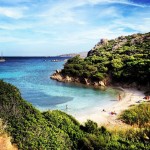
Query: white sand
131,97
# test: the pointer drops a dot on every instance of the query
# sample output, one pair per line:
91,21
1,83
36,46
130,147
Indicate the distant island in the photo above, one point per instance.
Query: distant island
124,60
81,54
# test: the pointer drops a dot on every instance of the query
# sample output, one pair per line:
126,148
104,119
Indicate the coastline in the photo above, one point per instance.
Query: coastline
58,76
105,118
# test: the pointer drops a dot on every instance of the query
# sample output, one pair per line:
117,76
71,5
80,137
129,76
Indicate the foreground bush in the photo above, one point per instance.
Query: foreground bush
66,123
27,125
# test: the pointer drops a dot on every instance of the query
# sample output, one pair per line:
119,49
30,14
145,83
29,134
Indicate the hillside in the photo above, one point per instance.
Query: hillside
28,127
125,59
31,129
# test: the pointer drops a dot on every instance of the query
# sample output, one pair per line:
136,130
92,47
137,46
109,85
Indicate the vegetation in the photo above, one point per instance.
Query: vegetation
27,126
2,127
137,115
66,123
33,130
125,59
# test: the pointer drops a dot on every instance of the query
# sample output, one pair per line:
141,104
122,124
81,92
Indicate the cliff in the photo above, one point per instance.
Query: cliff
58,76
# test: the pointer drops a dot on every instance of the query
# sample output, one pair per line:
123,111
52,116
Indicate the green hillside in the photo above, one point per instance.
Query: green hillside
28,127
125,59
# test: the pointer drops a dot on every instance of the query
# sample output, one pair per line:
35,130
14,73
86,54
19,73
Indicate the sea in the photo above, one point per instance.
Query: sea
32,76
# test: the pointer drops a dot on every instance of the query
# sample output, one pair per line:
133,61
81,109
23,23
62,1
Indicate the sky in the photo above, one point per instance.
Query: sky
53,27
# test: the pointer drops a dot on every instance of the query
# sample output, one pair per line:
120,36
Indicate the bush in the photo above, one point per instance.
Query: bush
66,123
139,115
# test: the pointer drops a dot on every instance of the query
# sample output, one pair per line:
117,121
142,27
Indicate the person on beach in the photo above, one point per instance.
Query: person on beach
66,107
113,113
104,110
119,97
147,97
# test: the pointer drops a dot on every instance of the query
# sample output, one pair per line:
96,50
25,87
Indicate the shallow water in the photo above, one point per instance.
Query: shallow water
32,77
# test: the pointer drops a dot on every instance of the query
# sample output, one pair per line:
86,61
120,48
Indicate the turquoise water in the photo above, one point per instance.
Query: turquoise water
32,77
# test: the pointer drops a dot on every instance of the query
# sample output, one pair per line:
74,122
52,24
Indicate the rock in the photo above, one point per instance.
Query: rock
147,38
68,79
77,80
86,81
58,71
134,35
121,37
118,44
101,83
115,47
124,41
104,41
57,77
96,84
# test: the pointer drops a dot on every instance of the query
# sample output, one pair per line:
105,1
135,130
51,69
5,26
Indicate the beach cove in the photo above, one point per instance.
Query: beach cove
82,102
32,77
108,116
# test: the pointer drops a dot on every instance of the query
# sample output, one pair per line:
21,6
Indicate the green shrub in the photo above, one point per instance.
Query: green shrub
139,115
66,123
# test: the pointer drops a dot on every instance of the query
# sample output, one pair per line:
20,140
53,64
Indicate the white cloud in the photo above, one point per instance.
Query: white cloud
19,26
69,24
127,2
13,12
134,23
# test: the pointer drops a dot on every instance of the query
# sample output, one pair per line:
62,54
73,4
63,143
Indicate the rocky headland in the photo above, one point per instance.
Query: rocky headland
123,61
58,76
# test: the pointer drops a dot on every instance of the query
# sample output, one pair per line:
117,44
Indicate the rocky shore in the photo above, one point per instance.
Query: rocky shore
58,76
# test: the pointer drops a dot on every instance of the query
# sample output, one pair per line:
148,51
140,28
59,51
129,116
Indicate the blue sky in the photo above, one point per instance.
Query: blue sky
52,27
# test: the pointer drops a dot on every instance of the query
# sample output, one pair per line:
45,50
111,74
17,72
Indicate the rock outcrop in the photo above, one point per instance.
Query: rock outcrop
119,42
67,79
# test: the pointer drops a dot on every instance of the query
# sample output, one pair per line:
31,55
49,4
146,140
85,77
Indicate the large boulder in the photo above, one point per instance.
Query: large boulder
103,41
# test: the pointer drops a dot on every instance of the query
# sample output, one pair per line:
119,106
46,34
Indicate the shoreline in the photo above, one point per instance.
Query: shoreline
105,118
130,95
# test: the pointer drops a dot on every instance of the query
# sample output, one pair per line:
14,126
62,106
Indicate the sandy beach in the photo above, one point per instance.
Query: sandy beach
103,116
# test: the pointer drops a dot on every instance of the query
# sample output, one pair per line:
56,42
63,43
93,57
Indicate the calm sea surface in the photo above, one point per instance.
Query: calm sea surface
32,77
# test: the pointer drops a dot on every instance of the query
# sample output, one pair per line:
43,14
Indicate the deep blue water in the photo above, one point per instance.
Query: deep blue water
32,77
